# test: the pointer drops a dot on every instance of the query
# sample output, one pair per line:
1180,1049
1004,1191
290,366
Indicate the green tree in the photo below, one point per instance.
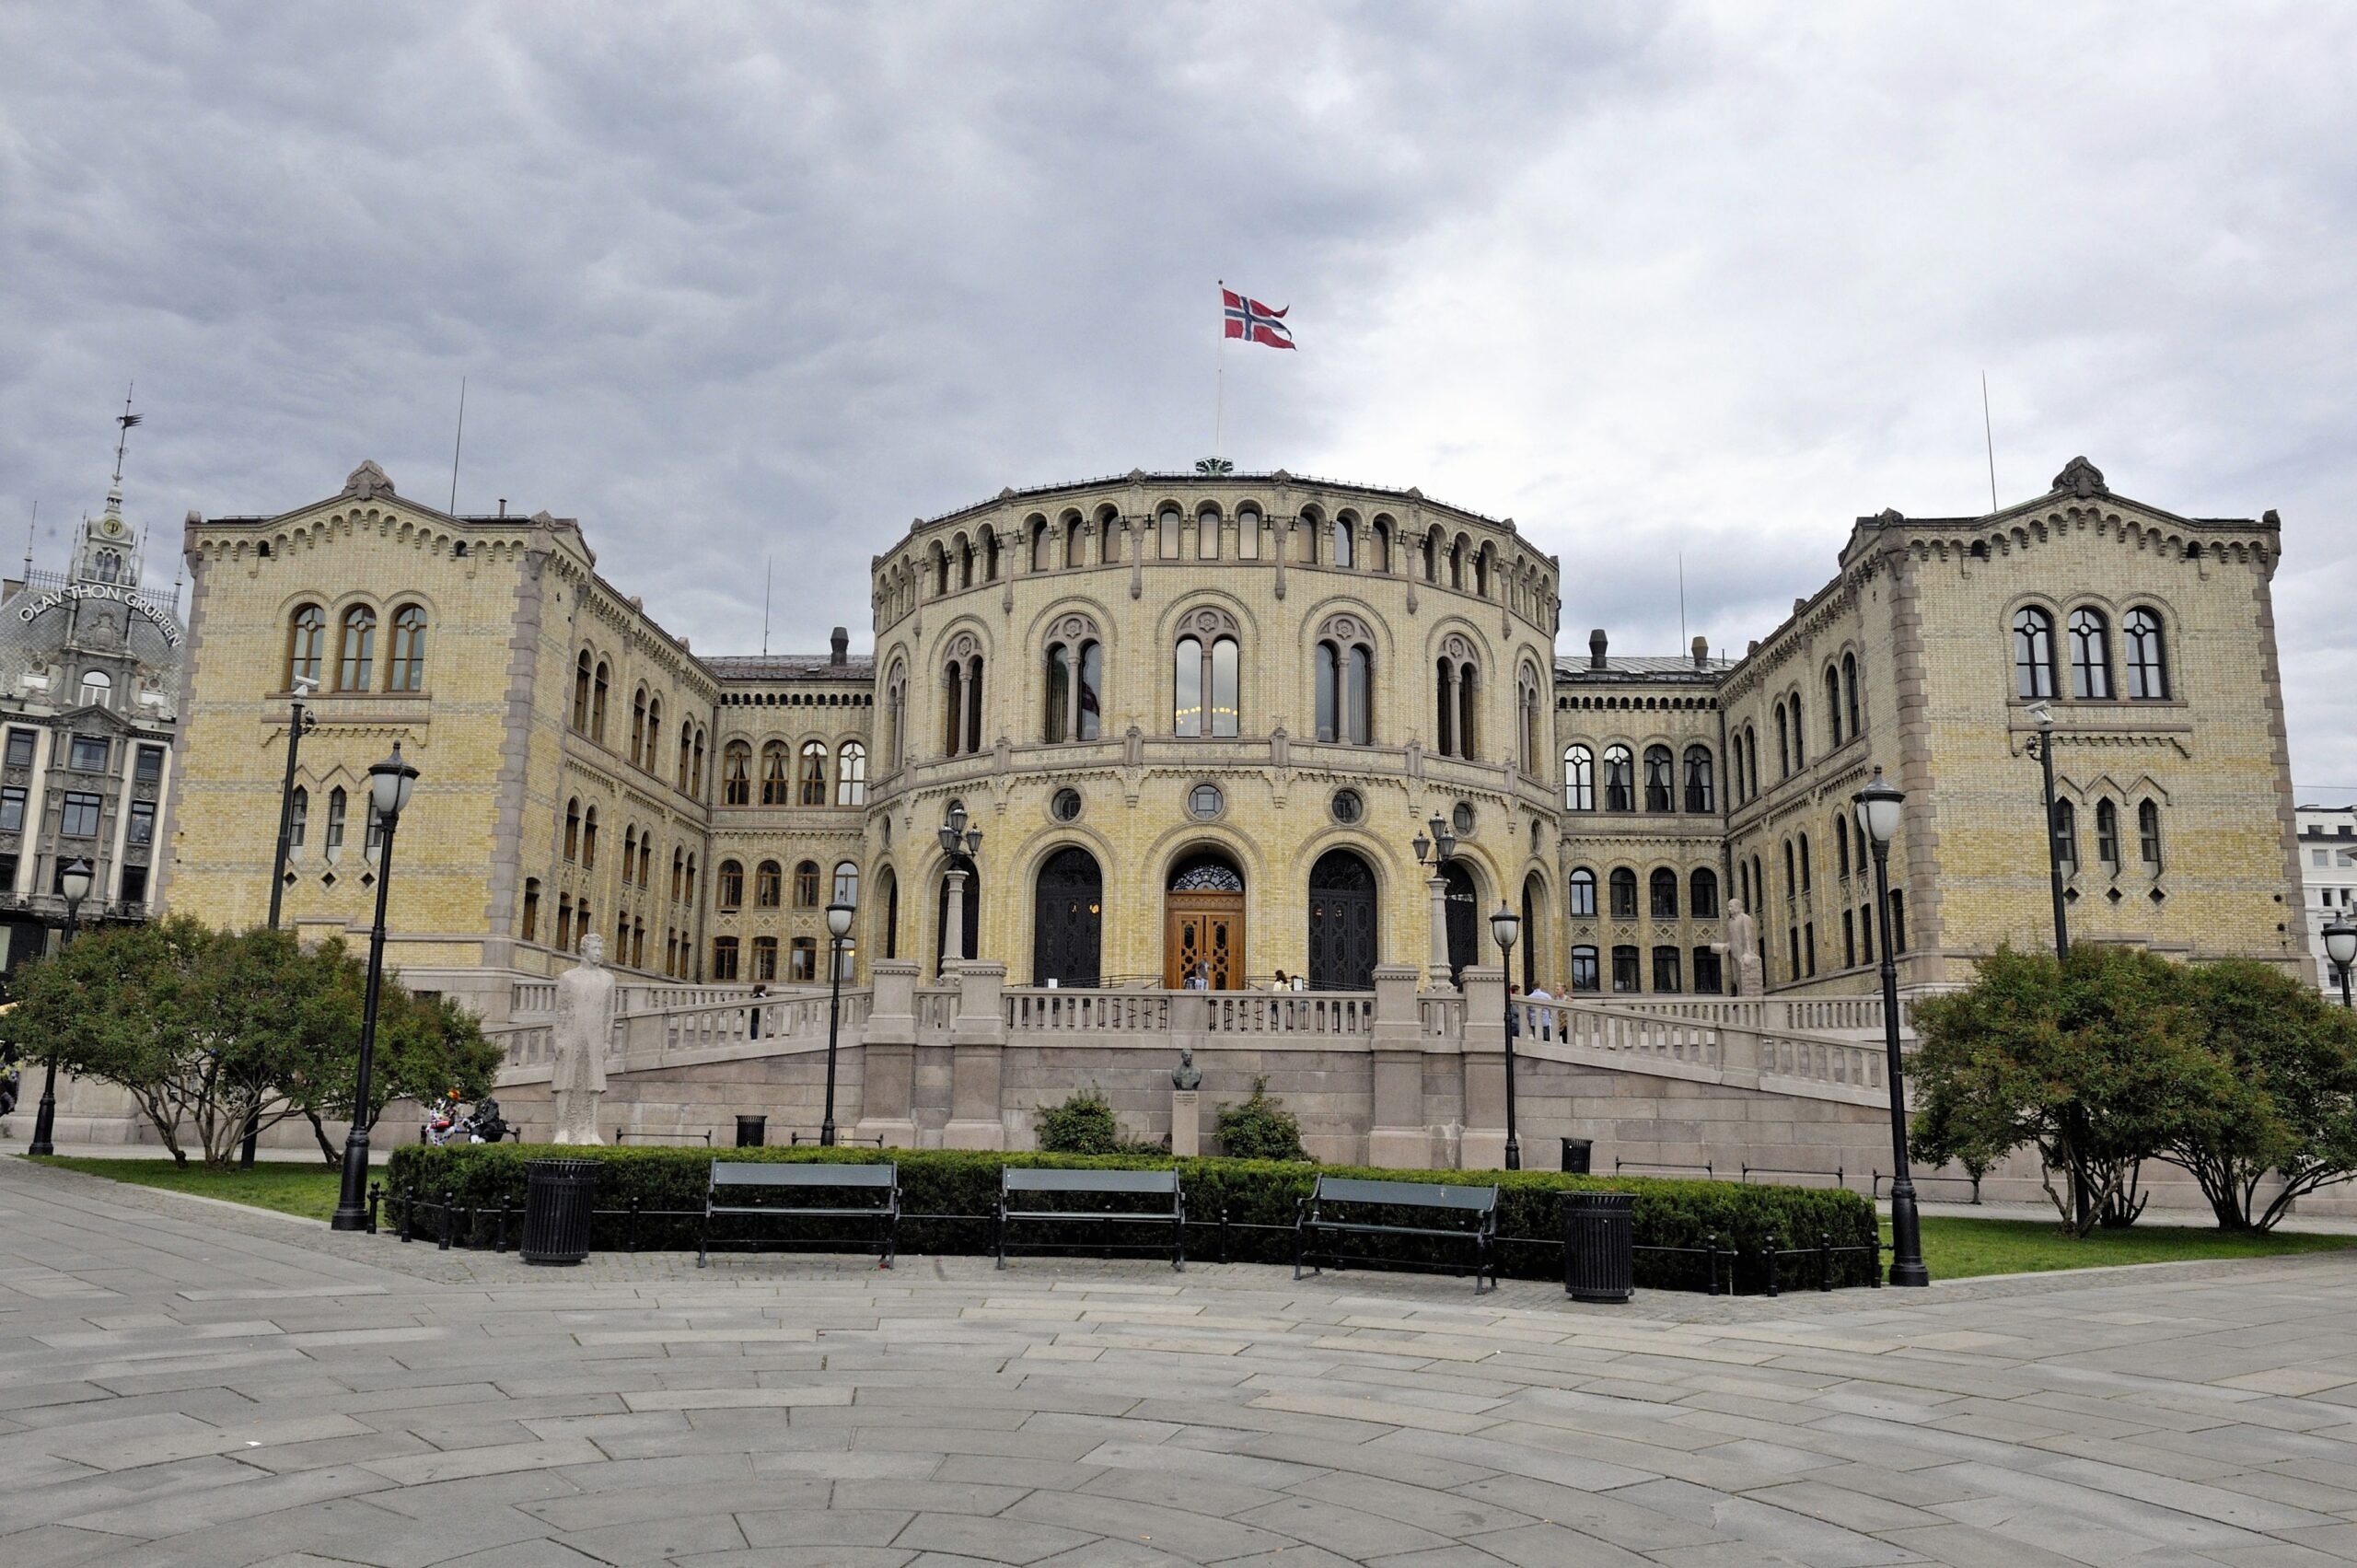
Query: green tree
1083,1124
2097,1063
2291,1058
1260,1128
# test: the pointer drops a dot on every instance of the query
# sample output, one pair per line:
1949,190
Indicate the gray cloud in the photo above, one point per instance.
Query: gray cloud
735,282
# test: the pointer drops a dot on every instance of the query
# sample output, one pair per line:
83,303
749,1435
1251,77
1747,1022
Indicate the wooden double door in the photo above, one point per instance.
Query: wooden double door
1206,930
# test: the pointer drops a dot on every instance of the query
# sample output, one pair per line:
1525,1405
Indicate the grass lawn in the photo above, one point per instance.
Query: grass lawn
1958,1248
308,1189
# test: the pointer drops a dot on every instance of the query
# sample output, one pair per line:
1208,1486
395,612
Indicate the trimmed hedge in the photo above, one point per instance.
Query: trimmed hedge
964,1184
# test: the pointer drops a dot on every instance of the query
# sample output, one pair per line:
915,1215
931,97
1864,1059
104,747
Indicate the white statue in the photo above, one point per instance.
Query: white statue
585,1023
1745,976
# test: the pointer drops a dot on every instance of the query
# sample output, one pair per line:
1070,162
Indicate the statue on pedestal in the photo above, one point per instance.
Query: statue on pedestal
1186,1075
1745,975
584,1026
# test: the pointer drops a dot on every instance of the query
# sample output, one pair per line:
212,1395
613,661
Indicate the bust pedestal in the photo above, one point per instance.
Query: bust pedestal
1186,1122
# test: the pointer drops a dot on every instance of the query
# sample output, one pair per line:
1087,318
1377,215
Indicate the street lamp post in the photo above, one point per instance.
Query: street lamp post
1436,853
961,844
389,783
1878,810
300,724
75,883
2340,947
838,916
1505,925
2043,747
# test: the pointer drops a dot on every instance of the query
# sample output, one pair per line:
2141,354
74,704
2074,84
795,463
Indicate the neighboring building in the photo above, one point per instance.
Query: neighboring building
2327,878
1200,720
89,683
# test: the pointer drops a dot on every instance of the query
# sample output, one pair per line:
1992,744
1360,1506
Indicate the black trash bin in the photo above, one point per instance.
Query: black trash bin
1577,1153
557,1197
753,1132
1598,1264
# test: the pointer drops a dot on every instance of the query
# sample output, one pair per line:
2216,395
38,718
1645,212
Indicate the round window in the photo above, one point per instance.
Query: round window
1203,802
1461,820
1065,806
1348,807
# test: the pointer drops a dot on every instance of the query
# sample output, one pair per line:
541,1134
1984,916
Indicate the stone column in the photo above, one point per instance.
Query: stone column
1485,1068
977,1052
953,928
1437,885
888,1055
1398,1135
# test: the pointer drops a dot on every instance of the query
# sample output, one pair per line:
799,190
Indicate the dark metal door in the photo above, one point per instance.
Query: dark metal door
1464,921
1067,929
1341,924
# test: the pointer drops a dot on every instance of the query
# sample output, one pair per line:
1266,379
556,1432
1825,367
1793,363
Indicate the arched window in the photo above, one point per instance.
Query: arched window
805,885
1751,761
846,883
678,873
1039,544
737,774
776,789
2032,653
895,712
1528,704
850,774
1660,790
1382,538
1623,885
2107,837
580,692
1784,744
638,725
891,913
990,554
1205,676
1167,533
1619,779
2148,836
1481,559
1207,526
1734,767
335,819
1341,555
768,880
1343,668
1809,866
298,817
1584,974
630,850
1701,792
1248,534
1455,687
1075,704
1431,548
1849,691
1662,894
2148,675
961,686
653,731
1075,540
1832,705
98,688
1456,562
687,756
1841,847
1582,889
940,569
814,773
573,829
1800,751
2066,837
357,668
408,672
695,775
1579,779
1792,878
589,838
530,928
2090,654
1702,894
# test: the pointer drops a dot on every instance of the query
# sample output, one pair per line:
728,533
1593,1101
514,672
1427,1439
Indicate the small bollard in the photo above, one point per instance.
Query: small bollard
408,1212
1825,1260
449,1207
1774,1278
376,1196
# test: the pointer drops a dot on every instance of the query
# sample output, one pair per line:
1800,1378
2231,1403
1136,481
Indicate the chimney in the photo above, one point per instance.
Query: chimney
502,505
1701,651
839,646
1596,646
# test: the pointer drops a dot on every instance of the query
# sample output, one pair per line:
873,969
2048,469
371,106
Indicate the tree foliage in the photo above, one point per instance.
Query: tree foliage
1261,1128
208,1030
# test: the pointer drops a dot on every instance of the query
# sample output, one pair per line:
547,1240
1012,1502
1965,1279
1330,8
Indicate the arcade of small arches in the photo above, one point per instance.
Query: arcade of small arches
354,665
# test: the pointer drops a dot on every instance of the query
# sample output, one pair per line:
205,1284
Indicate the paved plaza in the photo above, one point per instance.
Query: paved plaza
186,1383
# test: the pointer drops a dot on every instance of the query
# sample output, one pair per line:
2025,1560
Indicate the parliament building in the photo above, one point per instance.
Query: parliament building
1201,723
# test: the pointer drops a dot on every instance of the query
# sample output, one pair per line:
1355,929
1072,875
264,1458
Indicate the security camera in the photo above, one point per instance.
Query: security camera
304,685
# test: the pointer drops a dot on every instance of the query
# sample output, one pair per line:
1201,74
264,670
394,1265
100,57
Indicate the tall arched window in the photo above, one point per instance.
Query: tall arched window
1832,705
629,851
1207,526
1619,779
1579,778
850,774
573,829
814,773
1455,686
1204,678
580,692
1702,894
1662,894
1343,667
2107,837
654,730
1456,562
1583,891
1341,553
1849,691
1075,540
1660,789
940,569
1841,847
961,687
776,786
695,775
98,688
2066,837
1735,768
1800,749
358,665
1783,743
2148,675
589,839
1809,866
408,672
1167,534
737,774
1074,702
846,884
2032,653
1623,885
2148,836
805,885
896,715
1528,704
2090,654
1382,546
1039,544
990,554
687,756
638,725
1701,792
1751,761
768,885
1431,548
1248,534
298,817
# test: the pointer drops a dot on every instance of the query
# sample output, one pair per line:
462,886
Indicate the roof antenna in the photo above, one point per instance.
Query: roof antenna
126,419
766,563
1989,434
457,441
30,528
1681,599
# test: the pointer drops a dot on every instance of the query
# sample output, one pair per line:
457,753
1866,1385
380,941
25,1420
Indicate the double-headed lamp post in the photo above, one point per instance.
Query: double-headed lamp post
75,883
389,783
1436,853
2340,947
2042,713
1505,925
1878,807
839,916
959,843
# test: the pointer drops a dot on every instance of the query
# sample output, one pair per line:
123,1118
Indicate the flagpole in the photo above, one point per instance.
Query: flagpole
1219,399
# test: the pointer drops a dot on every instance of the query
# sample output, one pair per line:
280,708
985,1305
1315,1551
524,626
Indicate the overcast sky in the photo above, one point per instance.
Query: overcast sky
735,282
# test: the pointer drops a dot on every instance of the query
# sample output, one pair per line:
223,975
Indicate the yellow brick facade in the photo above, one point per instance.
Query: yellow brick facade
551,700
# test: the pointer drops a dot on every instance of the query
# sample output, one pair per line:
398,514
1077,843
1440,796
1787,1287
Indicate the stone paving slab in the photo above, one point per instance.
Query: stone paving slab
182,1383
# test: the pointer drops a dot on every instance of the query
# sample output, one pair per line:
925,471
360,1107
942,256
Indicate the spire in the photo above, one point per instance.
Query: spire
124,422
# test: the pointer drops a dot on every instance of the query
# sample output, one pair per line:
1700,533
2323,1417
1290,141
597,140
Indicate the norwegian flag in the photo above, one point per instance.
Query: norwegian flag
1250,319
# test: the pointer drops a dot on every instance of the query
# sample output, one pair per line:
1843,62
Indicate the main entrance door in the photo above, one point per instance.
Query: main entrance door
1464,921
1341,923
1202,925
1066,933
